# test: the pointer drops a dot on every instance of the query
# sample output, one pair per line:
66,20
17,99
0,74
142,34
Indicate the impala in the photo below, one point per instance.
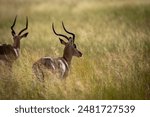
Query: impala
9,53
60,65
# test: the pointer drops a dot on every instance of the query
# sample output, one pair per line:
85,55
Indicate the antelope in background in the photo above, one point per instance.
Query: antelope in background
58,65
9,53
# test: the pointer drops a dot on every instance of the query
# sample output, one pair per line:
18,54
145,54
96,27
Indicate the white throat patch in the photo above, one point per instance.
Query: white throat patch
62,66
16,52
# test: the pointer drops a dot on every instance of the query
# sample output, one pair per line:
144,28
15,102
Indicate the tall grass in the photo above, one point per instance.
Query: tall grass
112,35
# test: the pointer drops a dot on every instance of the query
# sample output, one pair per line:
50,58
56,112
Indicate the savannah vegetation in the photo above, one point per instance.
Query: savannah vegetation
113,35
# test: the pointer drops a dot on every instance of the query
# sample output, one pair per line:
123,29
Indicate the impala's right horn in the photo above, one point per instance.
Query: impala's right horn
25,27
58,33
73,35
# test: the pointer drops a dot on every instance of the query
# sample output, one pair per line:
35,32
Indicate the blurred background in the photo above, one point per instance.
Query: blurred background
113,35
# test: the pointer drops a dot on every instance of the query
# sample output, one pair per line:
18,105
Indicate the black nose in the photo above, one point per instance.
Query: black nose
80,54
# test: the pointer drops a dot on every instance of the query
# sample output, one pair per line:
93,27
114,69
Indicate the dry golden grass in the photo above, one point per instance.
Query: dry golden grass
113,36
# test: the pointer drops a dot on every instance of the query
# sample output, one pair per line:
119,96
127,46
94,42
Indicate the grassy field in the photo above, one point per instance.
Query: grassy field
113,35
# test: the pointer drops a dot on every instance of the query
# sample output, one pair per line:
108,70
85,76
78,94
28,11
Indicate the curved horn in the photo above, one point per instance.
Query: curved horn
73,35
25,27
13,32
59,34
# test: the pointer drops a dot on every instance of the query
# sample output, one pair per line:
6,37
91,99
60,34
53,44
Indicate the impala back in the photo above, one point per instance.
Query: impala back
7,53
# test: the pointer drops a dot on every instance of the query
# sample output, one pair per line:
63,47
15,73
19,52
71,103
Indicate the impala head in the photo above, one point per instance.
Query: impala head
70,47
19,36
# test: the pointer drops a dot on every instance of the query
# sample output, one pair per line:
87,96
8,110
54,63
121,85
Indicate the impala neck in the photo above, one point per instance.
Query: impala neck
16,45
68,58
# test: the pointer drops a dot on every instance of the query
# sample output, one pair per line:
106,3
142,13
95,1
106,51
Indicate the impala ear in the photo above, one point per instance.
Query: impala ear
24,35
62,41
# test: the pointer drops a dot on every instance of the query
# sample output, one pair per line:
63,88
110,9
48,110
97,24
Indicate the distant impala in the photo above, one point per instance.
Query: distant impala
58,65
9,53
